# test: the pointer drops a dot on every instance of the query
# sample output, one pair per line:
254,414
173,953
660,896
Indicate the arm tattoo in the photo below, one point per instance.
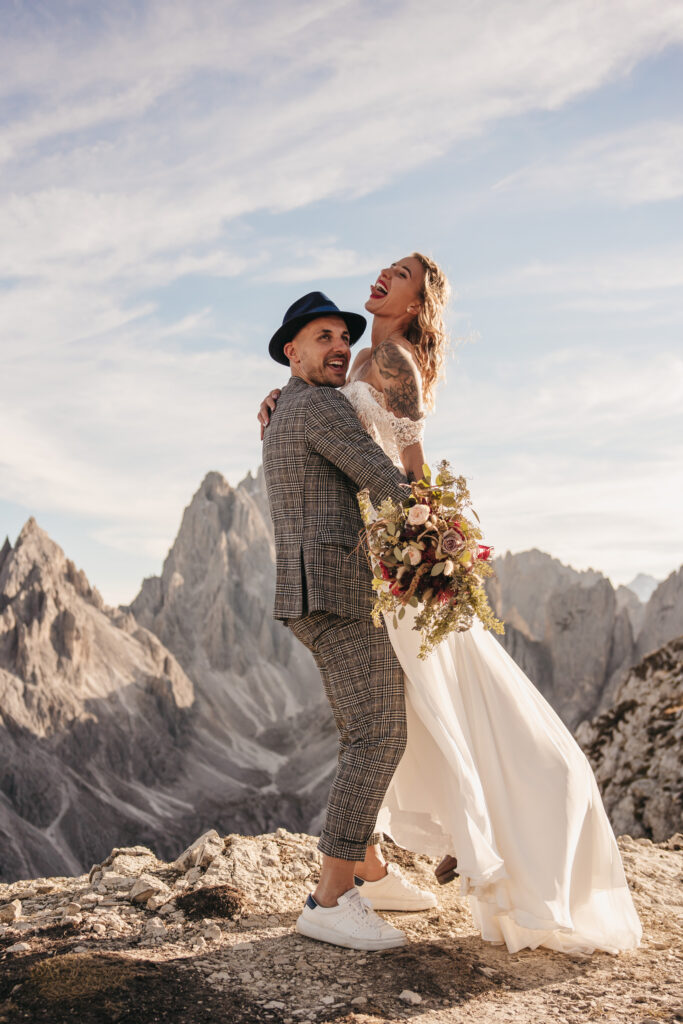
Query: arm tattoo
401,386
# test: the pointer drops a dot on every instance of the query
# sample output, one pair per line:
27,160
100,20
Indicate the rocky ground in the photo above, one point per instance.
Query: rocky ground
209,937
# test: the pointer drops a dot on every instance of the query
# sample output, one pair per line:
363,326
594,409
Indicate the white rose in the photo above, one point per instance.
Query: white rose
418,515
448,568
415,556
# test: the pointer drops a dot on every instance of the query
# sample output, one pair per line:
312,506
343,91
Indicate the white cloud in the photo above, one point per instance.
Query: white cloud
643,164
133,138
644,284
583,459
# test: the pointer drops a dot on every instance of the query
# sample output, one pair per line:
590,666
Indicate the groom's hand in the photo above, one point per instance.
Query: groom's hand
267,406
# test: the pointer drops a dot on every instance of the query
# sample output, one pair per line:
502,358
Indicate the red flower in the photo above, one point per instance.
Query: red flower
484,551
385,572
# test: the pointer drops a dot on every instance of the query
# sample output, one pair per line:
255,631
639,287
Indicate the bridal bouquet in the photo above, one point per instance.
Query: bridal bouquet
426,553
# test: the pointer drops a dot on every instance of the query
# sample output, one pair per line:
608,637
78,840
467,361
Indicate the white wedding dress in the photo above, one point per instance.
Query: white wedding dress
492,776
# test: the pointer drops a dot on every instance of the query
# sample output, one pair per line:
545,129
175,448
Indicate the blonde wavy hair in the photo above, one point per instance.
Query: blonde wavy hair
427,333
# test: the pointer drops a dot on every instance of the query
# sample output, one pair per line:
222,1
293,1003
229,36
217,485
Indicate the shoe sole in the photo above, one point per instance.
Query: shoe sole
399,905
312,931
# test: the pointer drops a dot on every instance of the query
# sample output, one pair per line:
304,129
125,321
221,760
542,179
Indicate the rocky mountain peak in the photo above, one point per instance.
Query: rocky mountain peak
643,586
663,617
635,747
212,606
37,562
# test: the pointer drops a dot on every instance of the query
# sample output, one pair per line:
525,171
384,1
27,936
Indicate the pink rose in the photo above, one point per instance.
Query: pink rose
418,515
415,556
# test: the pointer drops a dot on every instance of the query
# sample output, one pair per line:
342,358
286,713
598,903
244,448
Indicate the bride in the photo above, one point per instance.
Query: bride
491,775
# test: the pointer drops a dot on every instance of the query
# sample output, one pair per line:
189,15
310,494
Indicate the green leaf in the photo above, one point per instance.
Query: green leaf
401,612
437,569
413,602
426,472
475,515
395,622
398,554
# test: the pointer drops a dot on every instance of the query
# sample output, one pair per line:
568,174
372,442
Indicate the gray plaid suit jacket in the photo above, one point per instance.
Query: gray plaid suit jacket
316,457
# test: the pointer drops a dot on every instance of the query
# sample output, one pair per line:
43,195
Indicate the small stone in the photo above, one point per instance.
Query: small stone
146,886
112,880
157,900
488,971
273,920
167,908
242,945
218,976
73,919
199,943
71,909
18,947
212,933
410,997
10,912
155,928
274,1005
359,1001
201,852
327,1000
80,949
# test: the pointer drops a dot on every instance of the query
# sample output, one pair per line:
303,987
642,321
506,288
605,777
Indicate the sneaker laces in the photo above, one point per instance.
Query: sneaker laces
361,908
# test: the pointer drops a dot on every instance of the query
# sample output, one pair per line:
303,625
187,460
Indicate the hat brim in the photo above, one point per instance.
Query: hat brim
354,321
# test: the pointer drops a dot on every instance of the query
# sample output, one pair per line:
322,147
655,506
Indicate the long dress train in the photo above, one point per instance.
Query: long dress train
493,776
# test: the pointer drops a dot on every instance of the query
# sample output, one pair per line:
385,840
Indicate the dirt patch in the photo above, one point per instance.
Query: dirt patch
103,987
214,901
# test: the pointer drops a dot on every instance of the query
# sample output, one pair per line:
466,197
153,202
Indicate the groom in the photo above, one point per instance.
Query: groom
316,457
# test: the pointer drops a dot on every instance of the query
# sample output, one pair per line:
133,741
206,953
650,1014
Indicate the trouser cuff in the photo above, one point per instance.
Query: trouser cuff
346,849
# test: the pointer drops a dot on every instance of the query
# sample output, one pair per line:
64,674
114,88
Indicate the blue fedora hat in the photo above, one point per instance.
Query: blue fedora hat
310,307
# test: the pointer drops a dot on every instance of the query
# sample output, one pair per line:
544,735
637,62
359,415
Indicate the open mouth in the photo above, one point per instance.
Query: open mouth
337,364
379,289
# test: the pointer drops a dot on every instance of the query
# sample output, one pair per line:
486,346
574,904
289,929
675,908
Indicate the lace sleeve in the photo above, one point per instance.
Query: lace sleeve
406,431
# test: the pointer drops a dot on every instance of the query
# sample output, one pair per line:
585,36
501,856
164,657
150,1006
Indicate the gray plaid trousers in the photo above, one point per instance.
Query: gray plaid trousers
364,684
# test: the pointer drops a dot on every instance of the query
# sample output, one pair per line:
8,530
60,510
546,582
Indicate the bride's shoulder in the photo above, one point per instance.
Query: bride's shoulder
401,377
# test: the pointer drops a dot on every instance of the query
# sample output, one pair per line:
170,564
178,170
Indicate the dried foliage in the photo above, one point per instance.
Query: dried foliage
427,554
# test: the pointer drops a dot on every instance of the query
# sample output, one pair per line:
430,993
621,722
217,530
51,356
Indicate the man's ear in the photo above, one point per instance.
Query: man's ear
290,351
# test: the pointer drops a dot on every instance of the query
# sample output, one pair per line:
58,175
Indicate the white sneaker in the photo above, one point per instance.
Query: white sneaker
394,892
352,923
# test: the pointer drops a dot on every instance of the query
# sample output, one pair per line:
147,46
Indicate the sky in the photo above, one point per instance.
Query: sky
174,174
